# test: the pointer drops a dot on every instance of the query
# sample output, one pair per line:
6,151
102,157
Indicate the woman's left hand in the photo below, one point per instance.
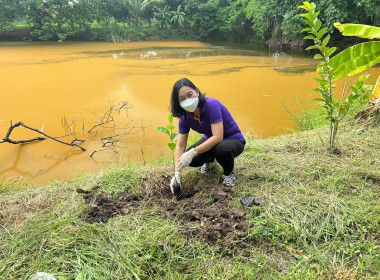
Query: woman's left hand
186,158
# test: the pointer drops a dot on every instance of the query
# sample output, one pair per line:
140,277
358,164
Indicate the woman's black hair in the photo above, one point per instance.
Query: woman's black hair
175,108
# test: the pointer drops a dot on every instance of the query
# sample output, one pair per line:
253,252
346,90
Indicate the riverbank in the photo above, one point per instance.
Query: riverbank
320,219
124,34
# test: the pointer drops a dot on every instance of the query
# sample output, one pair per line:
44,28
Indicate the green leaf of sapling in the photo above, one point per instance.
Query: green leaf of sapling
308,5
174,137
172,146
314,18
354,89
311,48
330,51
311,37
164,130
321,32
170,118
318,25
326,40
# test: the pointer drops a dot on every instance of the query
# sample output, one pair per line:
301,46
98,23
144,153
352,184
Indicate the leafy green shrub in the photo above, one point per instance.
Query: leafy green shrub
349,62
112,31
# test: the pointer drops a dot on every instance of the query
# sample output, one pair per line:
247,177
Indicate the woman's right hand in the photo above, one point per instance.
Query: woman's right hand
175,184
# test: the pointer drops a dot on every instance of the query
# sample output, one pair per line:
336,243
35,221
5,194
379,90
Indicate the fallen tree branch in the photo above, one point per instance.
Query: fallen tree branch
110,132
12,127
102,150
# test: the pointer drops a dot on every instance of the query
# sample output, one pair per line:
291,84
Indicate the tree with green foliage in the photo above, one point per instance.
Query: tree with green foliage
114,9
59,18
273,17
236,24
348,62
212,19
205,17
265,16
9,12
138,8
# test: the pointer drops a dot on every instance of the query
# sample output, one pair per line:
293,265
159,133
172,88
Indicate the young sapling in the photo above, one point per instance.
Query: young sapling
173,136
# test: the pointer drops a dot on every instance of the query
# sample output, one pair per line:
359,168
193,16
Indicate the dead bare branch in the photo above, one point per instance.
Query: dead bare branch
12,127
102,150
108,118
134,128
69,127
107,126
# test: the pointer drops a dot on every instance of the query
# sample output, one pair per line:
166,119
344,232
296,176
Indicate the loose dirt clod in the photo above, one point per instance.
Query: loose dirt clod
212,222
204,213
105,207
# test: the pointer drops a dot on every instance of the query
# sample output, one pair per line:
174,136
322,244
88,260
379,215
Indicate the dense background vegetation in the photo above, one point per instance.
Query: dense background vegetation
122,20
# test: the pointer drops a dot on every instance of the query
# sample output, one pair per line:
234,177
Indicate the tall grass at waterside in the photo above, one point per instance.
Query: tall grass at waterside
308,114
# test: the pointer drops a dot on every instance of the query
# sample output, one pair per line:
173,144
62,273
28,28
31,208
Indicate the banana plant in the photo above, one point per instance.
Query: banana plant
178,16
358,58
358,30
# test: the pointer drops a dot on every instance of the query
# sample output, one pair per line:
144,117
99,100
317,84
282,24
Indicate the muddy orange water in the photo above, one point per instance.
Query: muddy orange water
40,83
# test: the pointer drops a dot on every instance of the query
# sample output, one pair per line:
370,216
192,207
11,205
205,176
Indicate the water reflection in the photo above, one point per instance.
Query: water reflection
175,53
295,70
185,53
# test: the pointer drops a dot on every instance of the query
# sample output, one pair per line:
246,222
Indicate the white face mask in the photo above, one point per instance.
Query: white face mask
190,104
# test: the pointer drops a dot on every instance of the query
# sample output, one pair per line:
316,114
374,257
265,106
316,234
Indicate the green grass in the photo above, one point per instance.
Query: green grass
308,114
321,219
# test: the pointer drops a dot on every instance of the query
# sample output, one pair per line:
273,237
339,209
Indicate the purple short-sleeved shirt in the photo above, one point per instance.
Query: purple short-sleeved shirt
212,111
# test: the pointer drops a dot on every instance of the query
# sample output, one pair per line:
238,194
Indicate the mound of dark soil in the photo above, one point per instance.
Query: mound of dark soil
104,207
211,222
203,214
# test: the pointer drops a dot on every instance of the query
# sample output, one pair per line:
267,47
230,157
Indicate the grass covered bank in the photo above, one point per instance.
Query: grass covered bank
321,219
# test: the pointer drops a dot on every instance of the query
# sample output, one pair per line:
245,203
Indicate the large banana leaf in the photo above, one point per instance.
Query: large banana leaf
358,30
355,59
376,90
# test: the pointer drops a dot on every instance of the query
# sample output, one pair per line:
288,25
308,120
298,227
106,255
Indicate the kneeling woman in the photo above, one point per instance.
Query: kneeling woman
222,139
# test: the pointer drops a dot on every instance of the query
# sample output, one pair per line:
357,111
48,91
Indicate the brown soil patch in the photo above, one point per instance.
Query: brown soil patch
104,207
208,215
203,213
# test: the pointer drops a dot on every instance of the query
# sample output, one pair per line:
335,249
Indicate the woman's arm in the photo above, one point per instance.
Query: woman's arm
180,148
217,137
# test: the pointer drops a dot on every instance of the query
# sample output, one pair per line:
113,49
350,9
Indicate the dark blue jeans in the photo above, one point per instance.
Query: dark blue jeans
224,152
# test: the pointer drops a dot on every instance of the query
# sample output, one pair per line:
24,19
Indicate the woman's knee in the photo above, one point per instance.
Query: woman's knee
221,149
228,147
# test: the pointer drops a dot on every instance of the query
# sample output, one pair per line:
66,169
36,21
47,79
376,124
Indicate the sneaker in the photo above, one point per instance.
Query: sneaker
207,167
229,180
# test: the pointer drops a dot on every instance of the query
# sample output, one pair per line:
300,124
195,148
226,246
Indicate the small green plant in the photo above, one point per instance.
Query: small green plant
349,62
168,130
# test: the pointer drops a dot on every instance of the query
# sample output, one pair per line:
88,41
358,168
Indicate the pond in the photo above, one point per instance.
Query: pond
48,84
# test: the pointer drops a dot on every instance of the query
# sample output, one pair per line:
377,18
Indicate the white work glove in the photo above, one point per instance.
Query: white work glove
175,184
186,158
